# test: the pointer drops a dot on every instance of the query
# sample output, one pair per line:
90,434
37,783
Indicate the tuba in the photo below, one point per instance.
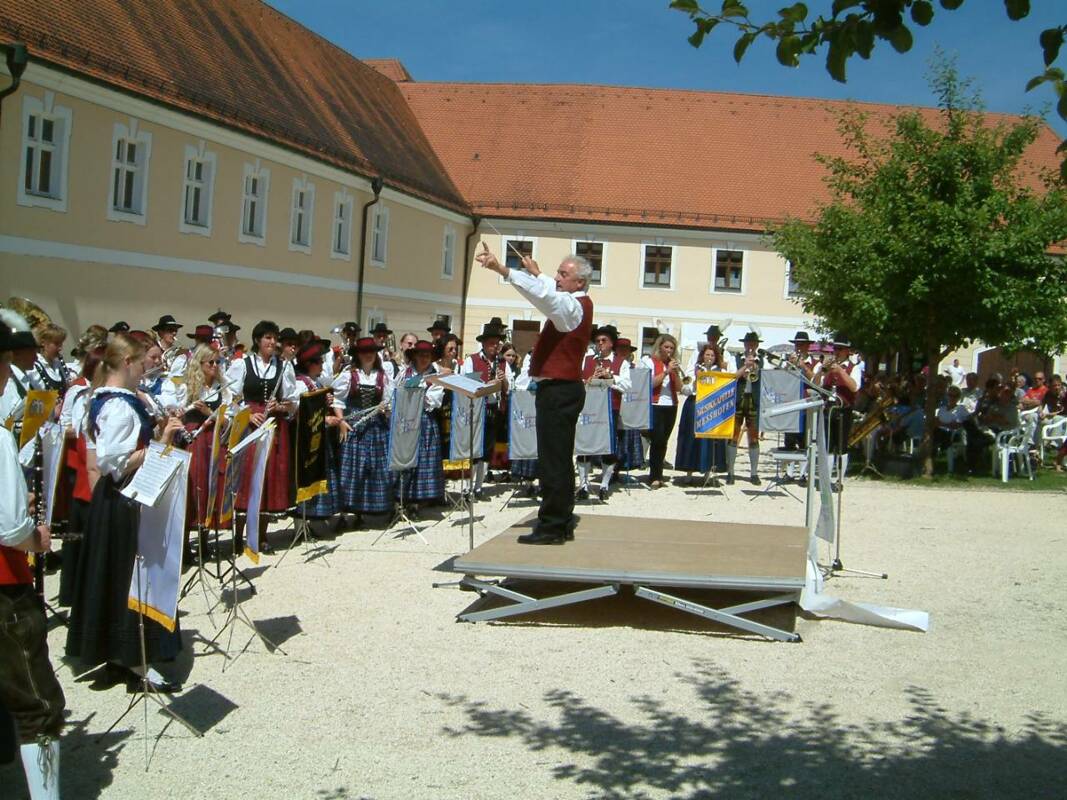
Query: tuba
33,313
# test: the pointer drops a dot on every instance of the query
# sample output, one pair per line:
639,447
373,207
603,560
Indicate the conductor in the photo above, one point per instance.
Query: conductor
556,367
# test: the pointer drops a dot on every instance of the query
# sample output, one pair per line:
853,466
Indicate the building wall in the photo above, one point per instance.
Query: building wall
82,267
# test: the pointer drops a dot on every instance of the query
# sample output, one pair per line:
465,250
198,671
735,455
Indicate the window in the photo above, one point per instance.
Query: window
374,318
729,270
379,239
45,145
648,338
511,257
341,241
657,269
448,252
792,288
197,190
593,252
254,204
301,214
131,150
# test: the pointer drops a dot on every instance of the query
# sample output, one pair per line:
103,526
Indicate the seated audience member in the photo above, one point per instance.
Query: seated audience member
1055,403
952,415
971,392
1035,395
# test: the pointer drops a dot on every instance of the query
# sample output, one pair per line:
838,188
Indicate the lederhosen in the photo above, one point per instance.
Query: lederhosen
366,483
427,480
277,484
748,402
102,626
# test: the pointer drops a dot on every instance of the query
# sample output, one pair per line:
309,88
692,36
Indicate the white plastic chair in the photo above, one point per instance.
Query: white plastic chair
1053,434
1014,445
957,445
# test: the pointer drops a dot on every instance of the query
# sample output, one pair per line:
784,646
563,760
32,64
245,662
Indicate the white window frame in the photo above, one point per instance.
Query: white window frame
132,133
61,117
590,239
379,227
785,290
641,327
209,159
343,203
641,266
448,252
515,237
304,213
262,175
374,316
744,271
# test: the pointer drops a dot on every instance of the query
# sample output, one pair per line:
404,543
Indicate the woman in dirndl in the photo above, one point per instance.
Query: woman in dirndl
262,383
445,362
308,374
196,400
102,628
629,446
365,392
425,484
522,469
703,456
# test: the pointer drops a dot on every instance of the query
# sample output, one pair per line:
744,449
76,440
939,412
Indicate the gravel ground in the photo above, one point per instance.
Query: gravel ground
382,694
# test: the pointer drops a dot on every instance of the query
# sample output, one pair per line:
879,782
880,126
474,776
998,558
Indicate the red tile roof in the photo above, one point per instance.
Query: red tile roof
390,68
647,156
247,66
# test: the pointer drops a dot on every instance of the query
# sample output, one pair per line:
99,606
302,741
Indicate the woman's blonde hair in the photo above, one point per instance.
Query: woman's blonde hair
661,340
51,333
120,347
194,371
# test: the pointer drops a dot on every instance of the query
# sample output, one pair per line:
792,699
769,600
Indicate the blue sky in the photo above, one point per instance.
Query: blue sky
643,43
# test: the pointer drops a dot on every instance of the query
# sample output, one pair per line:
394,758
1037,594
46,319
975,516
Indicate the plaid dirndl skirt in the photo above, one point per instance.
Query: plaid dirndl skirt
630,449
329,502
277,483
366,483
427,480
524,468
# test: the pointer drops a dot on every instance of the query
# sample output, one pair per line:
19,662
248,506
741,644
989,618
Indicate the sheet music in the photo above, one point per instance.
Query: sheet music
253,437
150,481
461,383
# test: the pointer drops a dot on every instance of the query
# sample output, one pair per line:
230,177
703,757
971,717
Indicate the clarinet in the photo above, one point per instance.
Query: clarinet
38,513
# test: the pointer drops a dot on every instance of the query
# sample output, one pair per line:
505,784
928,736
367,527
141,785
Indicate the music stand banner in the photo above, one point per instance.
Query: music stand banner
460,445
522,425
309,453
635,410
404,427
595,432
260,454
238,427
38,408
779,386
716,404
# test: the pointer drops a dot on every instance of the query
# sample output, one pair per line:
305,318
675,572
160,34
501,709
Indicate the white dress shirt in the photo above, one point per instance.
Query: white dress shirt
562,308
119,430
175,396
72,414
16,524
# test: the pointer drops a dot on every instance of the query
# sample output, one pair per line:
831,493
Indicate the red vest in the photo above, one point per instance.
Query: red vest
848,397
616,364
558,355
481,366
658,368
14,567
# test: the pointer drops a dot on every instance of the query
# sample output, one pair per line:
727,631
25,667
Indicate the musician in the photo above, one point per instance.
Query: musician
261,383
806,364
119,327
407,341
166,331
102,629
439,329
225,338
605,364
364,393
630,447
666,385
838,374
425,484
201,335
195,401
309,371
487,365
699,455
747,414
381,334
556,366
713,335
51,371
29,690
338,356
23,348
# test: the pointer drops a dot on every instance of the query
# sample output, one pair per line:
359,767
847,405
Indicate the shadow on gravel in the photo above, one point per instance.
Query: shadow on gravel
737,744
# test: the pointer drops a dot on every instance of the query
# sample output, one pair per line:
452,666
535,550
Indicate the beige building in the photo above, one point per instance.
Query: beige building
137,181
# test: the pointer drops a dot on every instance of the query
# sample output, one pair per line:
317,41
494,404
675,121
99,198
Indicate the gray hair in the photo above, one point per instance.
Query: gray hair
582,267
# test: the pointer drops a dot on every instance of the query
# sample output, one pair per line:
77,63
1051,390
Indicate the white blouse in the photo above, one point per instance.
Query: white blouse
175,396
235,378
73,413
665,398
342,384
119,431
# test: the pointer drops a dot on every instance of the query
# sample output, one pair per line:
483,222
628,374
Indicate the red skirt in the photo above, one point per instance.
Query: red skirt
277,484
199,479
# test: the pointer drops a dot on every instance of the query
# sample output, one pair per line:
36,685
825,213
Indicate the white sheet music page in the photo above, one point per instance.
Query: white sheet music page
151,479
461,382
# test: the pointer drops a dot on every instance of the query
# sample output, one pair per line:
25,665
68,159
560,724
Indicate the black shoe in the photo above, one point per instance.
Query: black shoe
478,496
265,547
413,513
583,494
531,490
135,683
603,496
729,480
756,480
543,538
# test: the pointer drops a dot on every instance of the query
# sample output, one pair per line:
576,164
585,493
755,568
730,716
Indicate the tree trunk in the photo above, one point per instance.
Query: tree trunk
926,450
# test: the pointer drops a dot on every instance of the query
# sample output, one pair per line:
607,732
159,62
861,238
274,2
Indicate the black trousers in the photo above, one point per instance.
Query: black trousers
558,405
663,418
28,686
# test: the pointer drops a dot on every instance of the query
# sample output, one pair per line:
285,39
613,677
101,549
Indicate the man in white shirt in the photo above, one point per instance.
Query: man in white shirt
956,374
556,367
486,366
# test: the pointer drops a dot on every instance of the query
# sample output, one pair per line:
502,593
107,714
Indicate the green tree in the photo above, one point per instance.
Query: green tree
853,27
932,238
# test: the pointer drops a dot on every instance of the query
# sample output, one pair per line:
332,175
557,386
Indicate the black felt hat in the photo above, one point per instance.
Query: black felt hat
493,329
381,329
713,333
166,321
119,327
439,325
801,338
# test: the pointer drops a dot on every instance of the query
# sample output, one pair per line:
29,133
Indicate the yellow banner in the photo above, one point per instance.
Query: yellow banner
716,404
39,407
213,475
239,425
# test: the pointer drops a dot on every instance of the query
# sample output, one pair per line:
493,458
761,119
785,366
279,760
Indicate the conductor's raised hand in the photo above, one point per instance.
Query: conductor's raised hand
488,260
530,266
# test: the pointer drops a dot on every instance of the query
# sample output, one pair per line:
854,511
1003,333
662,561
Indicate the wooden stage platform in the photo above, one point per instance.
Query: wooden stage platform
646,554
